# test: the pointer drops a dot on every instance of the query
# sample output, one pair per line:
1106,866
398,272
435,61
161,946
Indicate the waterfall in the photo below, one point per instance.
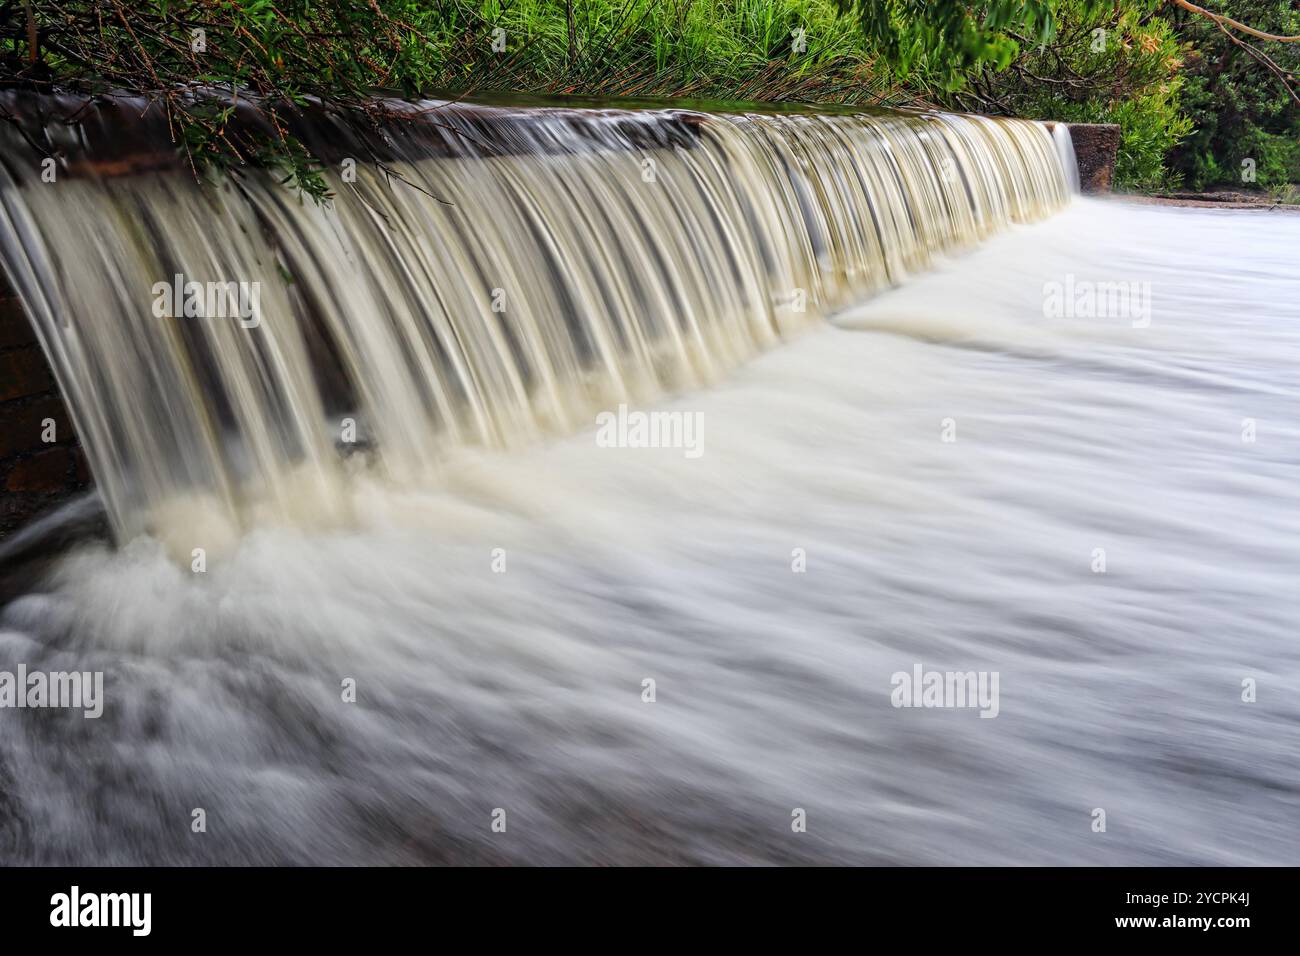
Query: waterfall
500,275
1065,148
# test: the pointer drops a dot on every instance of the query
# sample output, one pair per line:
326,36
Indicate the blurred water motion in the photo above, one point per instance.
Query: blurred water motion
461,295
523,690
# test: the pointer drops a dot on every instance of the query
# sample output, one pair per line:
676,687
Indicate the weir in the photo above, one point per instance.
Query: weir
484,275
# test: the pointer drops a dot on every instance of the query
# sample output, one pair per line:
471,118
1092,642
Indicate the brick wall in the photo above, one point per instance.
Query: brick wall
35,475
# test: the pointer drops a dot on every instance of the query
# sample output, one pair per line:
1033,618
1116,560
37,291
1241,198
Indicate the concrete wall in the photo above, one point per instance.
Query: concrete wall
35,475
1095,148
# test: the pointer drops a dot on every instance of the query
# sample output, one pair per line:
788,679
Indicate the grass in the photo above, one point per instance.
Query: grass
707,49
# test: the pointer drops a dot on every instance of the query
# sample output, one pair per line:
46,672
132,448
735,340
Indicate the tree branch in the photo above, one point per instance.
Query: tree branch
1223,21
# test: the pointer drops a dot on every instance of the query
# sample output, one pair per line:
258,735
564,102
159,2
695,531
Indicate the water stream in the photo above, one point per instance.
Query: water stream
922,477
493,293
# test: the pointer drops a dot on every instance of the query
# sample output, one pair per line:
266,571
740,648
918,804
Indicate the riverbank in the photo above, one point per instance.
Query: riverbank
1213,200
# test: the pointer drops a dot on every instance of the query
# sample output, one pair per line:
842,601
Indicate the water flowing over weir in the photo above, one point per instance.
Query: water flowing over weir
519,271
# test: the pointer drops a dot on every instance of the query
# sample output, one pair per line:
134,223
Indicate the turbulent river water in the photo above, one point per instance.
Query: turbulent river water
979,471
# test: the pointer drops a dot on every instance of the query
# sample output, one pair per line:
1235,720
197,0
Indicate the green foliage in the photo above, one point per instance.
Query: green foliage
1239,108
198,57
1150,125
1167,76
1191,103
1102,65
717,49
947,38
338,53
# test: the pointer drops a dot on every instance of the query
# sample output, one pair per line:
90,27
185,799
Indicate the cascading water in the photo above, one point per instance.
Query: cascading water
1065,148
490,292
625,654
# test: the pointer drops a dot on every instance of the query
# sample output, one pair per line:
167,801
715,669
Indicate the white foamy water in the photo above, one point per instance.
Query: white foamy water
211,342
522,690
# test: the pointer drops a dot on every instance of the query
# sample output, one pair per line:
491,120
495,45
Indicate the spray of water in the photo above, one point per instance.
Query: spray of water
626,654
522,689
486,296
